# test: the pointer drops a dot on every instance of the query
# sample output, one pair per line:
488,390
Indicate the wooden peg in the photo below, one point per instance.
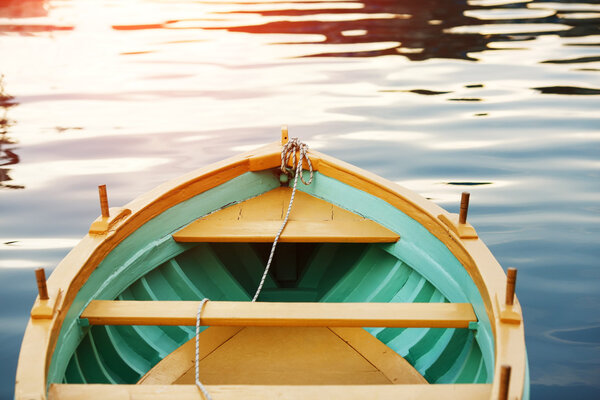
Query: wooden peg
504,382
464,208
40,276
284,134
103,201
511,281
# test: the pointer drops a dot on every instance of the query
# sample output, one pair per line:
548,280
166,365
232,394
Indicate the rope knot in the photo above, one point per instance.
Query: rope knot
290,152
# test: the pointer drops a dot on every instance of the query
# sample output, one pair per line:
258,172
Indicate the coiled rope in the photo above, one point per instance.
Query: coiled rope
297,152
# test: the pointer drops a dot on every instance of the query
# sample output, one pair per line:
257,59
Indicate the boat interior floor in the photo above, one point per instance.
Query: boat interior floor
284,356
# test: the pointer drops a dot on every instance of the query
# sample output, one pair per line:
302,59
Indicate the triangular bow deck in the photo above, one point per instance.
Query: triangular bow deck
311,220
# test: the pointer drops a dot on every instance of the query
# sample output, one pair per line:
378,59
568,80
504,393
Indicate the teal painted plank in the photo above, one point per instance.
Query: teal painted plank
349,285
142,290
407,293
74,373
131,337
485,339
415,290
158,286
181,282
242,261
161,287
207,272
110,356
346,256
481,375
420,346
388,286
447,366
471,366
376,276
153,335
91,364
415,255
150,256
126,351
320,259
428,349
403,342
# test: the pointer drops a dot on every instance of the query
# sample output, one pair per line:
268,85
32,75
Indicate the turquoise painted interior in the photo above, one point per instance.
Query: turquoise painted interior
149,265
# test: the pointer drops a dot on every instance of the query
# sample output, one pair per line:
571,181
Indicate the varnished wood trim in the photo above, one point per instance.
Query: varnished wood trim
236,392
232,313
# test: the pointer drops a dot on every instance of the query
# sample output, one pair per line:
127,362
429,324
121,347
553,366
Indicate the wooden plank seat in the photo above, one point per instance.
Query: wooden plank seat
231,313
311,220
267,392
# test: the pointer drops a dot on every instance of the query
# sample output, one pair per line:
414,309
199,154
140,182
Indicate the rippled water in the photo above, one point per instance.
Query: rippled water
497,97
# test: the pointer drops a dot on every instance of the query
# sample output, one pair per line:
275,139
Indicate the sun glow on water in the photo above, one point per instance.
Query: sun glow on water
497,97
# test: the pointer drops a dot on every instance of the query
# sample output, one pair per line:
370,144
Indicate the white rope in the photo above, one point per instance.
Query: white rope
198,383
289,150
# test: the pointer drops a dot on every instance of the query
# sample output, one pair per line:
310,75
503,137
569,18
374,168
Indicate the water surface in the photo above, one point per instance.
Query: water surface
497,97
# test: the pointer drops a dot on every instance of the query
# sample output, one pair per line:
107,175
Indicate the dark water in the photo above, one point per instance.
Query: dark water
500,98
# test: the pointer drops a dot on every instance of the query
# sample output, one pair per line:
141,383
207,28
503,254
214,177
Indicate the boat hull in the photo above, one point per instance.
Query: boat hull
138,259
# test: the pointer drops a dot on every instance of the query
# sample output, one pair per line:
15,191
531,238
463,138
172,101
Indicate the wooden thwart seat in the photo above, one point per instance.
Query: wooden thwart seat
231,313
311,220
267,392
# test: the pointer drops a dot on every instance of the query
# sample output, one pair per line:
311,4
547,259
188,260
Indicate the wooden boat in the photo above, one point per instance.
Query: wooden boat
374,292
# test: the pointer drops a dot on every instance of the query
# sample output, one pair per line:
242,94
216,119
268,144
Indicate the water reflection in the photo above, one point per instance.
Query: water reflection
23,8
418,30
502,102
568,90
7,154
586,335
415,29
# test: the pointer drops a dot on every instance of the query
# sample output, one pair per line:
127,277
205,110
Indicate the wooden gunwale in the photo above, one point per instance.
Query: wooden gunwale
267,392
41,335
